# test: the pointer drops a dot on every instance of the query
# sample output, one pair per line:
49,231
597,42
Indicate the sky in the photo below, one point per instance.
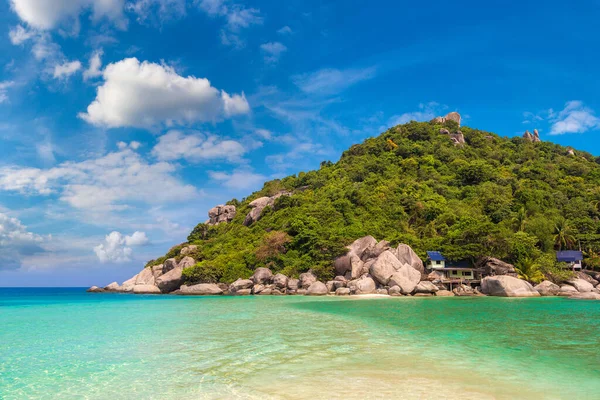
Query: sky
122,122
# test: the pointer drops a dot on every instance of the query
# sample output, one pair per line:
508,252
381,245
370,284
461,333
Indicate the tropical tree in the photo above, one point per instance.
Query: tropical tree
521,219
563,234
530,270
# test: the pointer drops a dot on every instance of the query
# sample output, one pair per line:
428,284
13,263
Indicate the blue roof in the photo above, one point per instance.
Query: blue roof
435,256
569,256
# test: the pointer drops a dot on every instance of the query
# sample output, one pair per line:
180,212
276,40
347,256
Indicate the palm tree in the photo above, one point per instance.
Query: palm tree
521,219
530,270
563,234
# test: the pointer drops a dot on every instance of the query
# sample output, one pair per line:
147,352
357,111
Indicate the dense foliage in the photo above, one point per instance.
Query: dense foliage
507,198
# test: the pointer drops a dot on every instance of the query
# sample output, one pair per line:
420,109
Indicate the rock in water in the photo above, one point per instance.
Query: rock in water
307,279
201,289
146,277
581,285
444,293
241,284
426,287
586,296
567,290
146,289
547,288
406,255
112,287
507,286
95,289
170,281
407,278
262,275
384,267
317,289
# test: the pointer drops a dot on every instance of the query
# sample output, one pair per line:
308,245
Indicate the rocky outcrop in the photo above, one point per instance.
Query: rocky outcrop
384,267
221,214
463,291
112,287
240,284
426,287
170,281
342,291
186,262
262,276
580,285
444,293
507,286
406,255
533,138
146,277
567,290
128,285
570,151
157,271
407,278
492,266
293,284
363,285
95,289
280,281
187,250
169,265
587,276
586,296
260,204
547,288
306,280
146,289
201,289
458,138
317,289
453,116
395,291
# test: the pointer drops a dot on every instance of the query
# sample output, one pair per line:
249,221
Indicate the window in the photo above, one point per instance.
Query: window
438,262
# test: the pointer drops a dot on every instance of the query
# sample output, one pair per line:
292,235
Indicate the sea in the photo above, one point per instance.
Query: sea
59,343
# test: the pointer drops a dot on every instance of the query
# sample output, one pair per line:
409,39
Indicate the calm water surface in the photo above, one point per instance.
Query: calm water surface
68,344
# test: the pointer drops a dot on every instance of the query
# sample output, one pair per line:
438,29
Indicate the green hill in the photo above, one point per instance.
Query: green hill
509,198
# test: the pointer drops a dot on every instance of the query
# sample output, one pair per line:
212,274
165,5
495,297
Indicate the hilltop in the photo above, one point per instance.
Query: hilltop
432,185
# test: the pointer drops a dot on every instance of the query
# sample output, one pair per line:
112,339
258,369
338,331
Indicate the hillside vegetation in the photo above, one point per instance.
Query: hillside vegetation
491,196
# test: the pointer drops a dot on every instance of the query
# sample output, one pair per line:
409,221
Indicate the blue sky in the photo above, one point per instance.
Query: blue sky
123,121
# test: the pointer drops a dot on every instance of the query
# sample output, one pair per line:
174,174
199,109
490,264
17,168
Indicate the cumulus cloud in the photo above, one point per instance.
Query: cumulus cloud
272,51
16,242
117,248
94,68
332,81
237,17
144,94
112,182
45,15
239,179
66,69
4,86
574,118
196,147
19,35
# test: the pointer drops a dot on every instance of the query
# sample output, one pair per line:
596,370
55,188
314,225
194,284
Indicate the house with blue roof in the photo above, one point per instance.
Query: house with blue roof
450,271
574,258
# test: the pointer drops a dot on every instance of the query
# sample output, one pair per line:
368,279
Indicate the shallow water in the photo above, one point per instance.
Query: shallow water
68,344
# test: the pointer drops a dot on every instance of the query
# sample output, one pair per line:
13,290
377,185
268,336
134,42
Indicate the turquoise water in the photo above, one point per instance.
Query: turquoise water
68,344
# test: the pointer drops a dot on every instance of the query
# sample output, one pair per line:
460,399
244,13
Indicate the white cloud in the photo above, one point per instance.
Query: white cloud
114,182
66,69
148,94
148,10
94,68
118,248
19,35
237,17
176,145
264,133
286,30
239,179
4,86
16,242
332,81
45,14
574,118
426,112
273,50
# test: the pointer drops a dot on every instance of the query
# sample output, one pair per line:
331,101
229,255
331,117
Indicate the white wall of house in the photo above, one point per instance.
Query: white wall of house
437,264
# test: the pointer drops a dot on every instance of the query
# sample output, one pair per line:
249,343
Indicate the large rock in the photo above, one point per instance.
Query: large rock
146,289
342,265
242,292
458,138
463,291
280,281
377,250
357,267
452,116
307,279
293,284
360,246
395,291
201,289
364,285
581,285
169,265
146,277
547,288
260,204
436,276
112,287
186,262
407,278
191,249
444,293
405,254
426,287
157,271
317,289
262,275
342,291
567,290
221,213
586,296
128,285
507,286
240,284
384,267
586,277
170,281
95,289
492,266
